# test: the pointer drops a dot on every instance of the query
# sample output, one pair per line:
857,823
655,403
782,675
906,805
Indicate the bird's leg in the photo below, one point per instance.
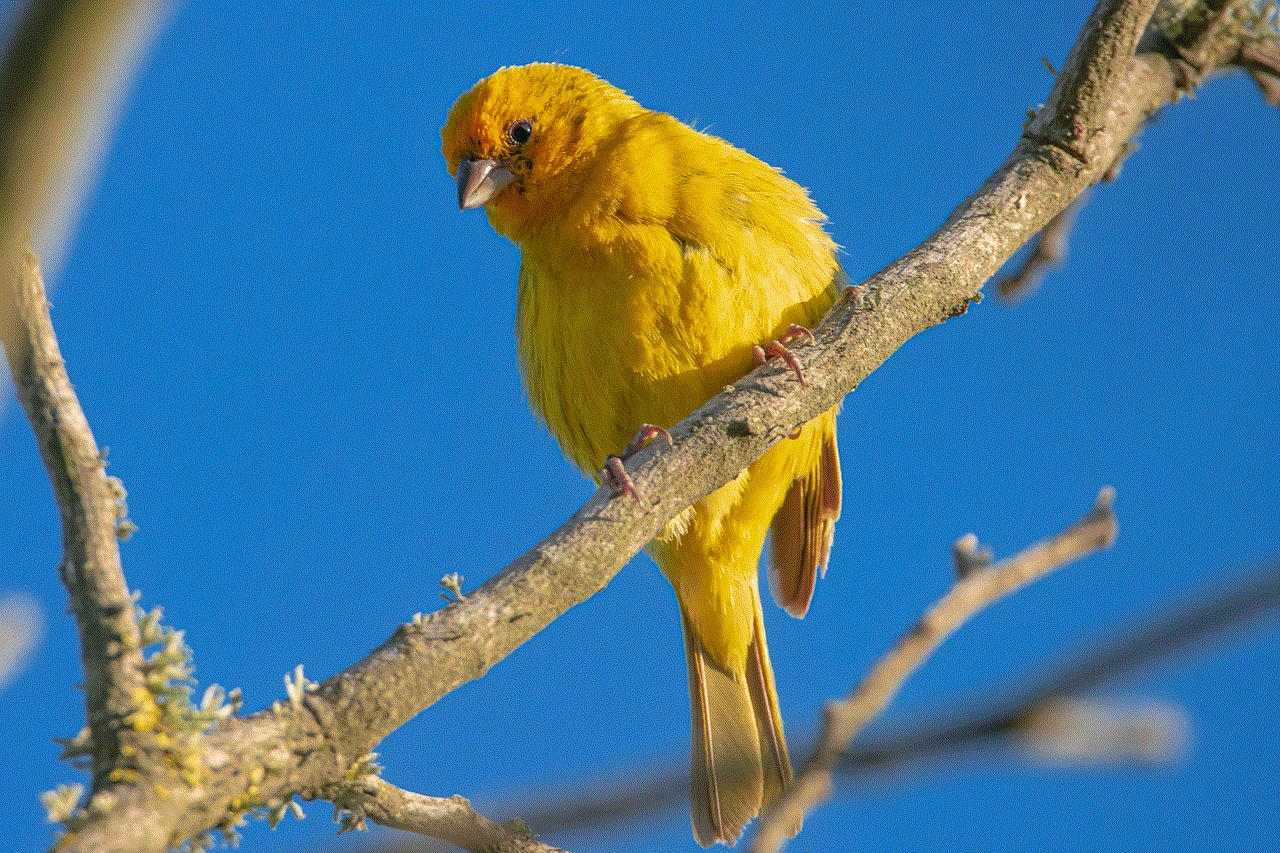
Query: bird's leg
615,472
778,349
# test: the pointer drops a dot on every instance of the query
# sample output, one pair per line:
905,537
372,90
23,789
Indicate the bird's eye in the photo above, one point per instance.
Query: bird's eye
520,131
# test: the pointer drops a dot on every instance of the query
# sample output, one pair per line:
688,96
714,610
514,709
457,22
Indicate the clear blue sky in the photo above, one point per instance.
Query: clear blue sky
301,356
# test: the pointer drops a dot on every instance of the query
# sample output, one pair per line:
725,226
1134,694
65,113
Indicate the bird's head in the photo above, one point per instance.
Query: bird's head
520,142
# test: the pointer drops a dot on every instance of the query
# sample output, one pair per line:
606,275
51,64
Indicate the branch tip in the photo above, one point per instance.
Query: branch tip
969,555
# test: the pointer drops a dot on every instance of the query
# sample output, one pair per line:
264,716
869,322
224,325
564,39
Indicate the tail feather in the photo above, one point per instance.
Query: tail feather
802,529
764,704
739,761
726,777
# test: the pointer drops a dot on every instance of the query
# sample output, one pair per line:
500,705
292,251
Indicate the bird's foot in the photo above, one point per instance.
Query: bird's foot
615,472
778,349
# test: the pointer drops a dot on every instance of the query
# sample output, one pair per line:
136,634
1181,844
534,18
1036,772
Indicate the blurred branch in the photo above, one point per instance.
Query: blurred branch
1082,731
21,624
1192,622
1048,251
64,73
974,591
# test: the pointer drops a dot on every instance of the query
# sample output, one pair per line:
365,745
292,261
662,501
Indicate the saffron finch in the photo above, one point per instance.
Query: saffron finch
654,260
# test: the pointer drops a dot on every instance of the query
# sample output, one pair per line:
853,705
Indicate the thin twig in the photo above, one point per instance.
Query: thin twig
1191,622
450,819
1048,252
845,718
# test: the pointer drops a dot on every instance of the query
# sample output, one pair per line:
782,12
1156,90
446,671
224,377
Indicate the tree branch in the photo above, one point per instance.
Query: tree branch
974,591
450,819
115,689
1012,714
1154,638
1049,251
313,741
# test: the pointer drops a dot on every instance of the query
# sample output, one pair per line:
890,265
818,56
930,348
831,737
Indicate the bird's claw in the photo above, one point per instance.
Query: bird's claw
778,349
615,472
646,434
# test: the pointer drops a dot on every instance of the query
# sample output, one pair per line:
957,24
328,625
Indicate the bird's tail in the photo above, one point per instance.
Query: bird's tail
739,762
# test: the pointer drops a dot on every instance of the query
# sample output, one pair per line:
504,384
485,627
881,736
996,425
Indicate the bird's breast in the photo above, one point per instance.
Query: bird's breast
611,340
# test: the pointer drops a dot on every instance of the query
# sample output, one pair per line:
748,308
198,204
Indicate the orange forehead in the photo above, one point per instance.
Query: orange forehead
472,129
478,122
479,118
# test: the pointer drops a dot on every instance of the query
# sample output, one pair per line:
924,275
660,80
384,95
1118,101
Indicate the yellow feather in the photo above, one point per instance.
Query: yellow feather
653,257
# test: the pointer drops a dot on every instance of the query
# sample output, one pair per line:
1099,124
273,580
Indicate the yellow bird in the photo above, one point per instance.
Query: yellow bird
655,259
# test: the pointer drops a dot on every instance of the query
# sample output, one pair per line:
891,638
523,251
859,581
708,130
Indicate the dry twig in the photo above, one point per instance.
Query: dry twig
845,718
450,819
1048,252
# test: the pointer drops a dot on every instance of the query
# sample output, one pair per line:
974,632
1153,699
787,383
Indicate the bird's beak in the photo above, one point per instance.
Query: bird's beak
480,180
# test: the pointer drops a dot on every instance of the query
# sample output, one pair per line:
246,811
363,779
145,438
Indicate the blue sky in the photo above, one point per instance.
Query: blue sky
301,356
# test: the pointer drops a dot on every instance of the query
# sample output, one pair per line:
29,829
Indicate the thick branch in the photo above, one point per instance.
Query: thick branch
115,689
52,81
